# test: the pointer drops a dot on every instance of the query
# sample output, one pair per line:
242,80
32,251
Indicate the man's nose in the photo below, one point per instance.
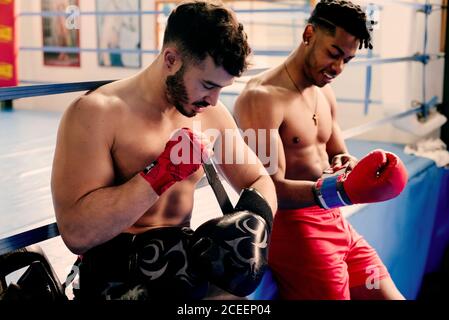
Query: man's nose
212,97
338,66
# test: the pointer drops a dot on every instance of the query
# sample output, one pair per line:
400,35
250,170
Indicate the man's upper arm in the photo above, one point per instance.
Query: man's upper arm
256,111
336,144
82,161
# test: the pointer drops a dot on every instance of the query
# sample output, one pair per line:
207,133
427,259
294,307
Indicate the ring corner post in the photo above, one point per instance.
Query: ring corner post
6,105
445,105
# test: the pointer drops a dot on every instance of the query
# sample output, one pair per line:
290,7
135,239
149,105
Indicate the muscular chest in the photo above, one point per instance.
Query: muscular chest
305,126
139,144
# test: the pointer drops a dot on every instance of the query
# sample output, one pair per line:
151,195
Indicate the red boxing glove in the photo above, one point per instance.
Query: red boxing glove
182,156
379,176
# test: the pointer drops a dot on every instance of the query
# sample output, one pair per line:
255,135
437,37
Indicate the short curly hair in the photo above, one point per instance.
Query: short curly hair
329,14
199,28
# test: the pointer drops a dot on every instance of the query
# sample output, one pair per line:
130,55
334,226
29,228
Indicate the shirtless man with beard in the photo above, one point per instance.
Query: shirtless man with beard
122,199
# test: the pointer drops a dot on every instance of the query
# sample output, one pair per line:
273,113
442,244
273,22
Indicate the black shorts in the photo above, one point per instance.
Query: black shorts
106,270
149,266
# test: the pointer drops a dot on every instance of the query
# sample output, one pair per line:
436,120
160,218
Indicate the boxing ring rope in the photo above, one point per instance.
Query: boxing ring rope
279,53
12,93
424,58
79,50
423,109
27,238
303,9
17,94
423,7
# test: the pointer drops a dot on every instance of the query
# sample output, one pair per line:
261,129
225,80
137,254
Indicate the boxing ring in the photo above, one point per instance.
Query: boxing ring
409,232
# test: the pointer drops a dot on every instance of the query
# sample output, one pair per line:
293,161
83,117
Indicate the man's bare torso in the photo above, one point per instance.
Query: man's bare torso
139,136
304,142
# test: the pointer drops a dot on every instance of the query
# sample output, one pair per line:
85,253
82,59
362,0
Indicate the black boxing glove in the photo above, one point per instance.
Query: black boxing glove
231,251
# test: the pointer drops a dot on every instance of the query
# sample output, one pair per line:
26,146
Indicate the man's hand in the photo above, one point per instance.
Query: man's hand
183,155
379,176
342,161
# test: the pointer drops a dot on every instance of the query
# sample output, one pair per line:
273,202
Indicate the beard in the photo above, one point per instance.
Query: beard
177,93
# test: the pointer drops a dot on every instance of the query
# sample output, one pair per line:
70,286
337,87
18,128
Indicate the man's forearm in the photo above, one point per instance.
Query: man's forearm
293,194
264,185
104,213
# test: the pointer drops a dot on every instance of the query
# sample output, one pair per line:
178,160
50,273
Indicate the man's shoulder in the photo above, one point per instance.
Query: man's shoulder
256,90
95,102
93,108
265,84
257,93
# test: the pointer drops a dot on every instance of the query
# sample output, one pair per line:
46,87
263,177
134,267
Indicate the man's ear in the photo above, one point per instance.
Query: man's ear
172,59
308,34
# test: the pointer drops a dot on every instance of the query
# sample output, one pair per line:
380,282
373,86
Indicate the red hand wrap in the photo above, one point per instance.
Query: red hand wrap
182,156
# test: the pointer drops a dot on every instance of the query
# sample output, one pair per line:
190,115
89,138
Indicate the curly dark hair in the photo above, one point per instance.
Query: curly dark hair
199,28
329,14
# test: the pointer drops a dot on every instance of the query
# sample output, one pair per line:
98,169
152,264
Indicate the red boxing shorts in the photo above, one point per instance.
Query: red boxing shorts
315,254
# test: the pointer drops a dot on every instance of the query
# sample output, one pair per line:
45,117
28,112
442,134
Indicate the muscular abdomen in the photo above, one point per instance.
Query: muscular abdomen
306,163
174,207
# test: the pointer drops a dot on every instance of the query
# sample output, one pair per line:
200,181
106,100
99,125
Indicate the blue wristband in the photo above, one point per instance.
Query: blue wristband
331,193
